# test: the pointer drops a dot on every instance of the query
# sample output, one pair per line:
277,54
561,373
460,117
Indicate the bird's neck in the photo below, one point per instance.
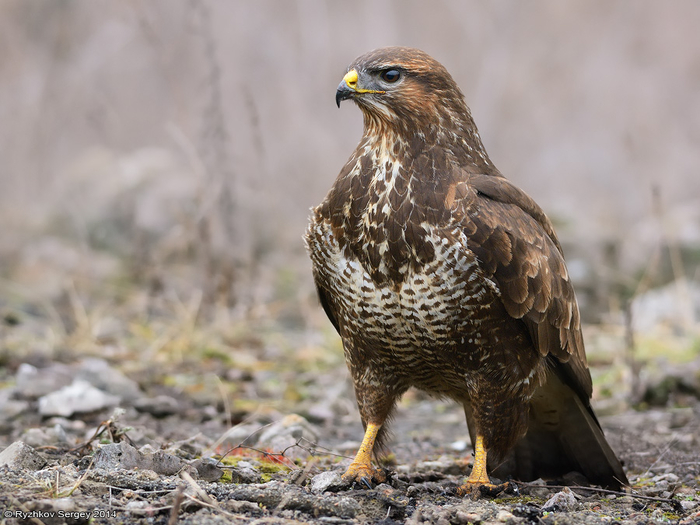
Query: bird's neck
458,138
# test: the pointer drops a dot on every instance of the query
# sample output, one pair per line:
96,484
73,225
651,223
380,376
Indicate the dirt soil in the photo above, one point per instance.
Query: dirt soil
156,422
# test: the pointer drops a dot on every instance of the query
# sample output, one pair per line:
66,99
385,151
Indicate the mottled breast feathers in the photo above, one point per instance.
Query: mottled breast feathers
379,213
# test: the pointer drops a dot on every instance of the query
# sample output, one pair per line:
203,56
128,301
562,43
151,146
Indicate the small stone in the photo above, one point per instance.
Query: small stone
248,463
117,456
688,505
563,500
431,465
668,478
10,408
321,411
139,507
40,437
147,449
243,507
101,375
19,455
58,434
79,397
326,481
159,406
503,516
538,492
165,464
32,382
207,470
245,475
124,456
35,437
73,425
283,434
531,512
243,435
459,446
186,449
443,465
462,517
148,475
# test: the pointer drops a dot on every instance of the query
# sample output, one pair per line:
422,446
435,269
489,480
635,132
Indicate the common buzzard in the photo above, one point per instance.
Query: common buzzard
440,274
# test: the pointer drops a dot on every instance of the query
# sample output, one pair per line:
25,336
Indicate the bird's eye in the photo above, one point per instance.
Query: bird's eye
390,75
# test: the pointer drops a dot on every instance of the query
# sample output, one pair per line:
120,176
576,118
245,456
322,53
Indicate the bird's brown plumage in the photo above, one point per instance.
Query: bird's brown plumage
440,274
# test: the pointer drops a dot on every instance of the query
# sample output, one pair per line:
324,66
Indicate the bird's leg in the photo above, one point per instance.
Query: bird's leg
361,470
478,475
376,398
478,481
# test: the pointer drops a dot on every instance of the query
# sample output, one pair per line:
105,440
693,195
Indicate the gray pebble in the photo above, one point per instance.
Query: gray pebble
79,397
561,501
19,455
159,406
245,475
325,481
207,469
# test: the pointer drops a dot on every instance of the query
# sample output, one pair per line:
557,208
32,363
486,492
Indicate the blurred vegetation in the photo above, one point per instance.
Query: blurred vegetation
159,161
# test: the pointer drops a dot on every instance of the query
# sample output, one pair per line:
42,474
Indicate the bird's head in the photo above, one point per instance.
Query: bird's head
404,88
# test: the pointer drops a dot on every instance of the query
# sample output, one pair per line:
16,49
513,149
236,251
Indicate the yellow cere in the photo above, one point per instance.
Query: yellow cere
351,78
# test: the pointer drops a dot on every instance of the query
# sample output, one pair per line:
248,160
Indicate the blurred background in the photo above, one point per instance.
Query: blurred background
158,159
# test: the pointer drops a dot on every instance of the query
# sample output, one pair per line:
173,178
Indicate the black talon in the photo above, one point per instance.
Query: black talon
367,483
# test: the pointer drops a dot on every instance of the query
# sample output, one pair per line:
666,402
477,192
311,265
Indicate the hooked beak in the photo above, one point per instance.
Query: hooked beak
343,92
348,88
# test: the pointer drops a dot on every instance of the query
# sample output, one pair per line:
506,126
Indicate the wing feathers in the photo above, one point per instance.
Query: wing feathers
516,244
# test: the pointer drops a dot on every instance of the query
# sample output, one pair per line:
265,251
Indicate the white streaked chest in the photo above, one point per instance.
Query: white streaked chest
425,310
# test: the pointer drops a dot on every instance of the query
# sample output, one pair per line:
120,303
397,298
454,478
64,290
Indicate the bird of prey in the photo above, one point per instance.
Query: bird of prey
440,274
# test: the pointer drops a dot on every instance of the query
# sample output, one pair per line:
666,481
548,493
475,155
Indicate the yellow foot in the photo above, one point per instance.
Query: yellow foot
487,490
364,474
478,483
360,470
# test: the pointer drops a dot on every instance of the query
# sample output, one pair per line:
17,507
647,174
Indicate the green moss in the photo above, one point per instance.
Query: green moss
226,478
272,467
169,380
230,461
517,500
218,354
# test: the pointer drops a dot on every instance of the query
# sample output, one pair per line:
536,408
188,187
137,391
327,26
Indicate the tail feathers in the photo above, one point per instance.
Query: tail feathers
563,436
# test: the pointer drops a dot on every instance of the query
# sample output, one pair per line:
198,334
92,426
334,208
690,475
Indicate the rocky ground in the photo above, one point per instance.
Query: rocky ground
165,422
126,402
